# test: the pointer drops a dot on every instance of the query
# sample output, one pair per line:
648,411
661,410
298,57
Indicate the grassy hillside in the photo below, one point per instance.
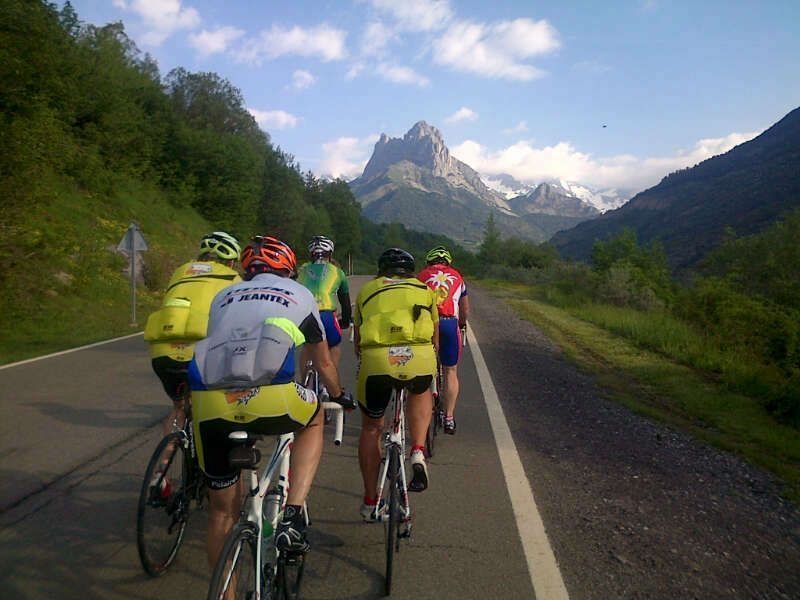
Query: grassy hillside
74,288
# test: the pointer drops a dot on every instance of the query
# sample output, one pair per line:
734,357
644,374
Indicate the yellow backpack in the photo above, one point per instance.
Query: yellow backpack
397,312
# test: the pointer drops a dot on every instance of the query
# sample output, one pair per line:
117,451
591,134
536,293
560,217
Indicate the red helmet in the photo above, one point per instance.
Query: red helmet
266,253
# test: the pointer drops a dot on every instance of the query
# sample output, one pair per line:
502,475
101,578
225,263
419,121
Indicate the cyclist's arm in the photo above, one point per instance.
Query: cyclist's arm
344,301
463,311
321,356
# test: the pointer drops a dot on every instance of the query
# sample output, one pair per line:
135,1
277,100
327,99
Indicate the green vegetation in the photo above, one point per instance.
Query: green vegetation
718,354
95,138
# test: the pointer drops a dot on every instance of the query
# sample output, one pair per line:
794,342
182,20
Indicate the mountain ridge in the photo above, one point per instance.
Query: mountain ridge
746,188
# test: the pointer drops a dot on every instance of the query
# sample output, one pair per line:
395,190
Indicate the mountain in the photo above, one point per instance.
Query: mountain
747,188
415,180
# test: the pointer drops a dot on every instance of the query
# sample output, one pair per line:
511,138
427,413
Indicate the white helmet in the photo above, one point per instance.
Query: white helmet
320,244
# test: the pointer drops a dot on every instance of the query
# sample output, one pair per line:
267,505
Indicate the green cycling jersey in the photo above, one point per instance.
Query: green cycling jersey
326,281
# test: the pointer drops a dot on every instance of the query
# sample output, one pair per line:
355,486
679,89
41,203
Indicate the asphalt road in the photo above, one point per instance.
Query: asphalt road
78,429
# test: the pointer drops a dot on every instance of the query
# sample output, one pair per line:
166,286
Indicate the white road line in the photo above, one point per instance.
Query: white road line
542,566
30,360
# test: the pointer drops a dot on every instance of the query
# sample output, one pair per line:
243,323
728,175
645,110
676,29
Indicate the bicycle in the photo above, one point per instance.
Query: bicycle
250,563
437,416
393,507
166,496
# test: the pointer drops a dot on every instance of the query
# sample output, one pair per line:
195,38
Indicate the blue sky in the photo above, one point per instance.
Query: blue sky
520,87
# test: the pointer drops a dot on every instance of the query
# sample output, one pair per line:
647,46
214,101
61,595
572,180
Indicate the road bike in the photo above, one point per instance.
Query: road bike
172,482
250,565
437,416
393,507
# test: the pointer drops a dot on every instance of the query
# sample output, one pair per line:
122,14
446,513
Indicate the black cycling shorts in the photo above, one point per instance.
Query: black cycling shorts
174,376
378,391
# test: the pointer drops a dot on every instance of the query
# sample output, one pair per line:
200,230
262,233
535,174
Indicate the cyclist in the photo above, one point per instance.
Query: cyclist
451,292
328,283
396,331
182,319
242,378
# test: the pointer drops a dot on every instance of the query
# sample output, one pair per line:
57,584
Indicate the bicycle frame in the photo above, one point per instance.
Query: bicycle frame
275,475
395,436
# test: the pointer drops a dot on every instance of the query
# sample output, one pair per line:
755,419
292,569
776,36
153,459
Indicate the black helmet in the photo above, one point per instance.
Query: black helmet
396,261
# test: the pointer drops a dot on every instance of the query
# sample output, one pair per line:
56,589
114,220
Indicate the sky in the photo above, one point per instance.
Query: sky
612,94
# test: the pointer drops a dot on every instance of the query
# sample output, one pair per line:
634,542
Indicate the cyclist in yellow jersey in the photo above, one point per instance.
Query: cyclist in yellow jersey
174,328
396,334
328,283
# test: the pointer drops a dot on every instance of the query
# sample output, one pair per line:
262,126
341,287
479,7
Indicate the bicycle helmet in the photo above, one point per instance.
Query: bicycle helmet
320,244
438,255
396,261
267,253
220,244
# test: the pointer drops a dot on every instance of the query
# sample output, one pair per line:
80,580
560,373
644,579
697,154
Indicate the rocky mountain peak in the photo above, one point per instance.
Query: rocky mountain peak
422,145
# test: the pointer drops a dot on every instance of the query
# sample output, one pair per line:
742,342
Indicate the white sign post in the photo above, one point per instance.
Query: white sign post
132,242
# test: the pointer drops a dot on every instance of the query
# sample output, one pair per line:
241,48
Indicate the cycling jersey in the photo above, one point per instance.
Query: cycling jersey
395,317
325,280
448,285
242,374
393,311
183,316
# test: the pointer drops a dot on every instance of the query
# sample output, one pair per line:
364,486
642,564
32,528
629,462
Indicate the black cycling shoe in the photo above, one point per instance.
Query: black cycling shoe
290,535
449,426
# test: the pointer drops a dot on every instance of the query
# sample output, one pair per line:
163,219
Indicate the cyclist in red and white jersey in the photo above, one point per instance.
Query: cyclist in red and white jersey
451,291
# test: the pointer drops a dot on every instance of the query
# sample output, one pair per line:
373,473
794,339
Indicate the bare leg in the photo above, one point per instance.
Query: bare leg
369,453
223,512
418,411
336,354
177,414
450,390
306,454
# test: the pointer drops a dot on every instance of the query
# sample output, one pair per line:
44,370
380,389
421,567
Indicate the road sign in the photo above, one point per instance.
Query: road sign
132,240
131,243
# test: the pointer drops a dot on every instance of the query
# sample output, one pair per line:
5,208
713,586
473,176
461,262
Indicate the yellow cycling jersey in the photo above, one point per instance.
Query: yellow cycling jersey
183,316
395,311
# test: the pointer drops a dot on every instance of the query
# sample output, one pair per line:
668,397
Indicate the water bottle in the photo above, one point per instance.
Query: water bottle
271,508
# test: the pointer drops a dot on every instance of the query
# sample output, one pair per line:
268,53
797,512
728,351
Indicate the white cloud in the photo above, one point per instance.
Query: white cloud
498,49
563,161
302,79
520,127
416,15
212,42
375,38
274,119
355,70
323,41
161,18
399,74
462,114
346,157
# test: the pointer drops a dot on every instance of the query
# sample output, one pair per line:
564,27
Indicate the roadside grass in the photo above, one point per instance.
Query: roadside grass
75,288
667,381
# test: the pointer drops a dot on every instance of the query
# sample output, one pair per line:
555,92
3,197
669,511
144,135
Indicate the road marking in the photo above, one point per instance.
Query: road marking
542,566
30,360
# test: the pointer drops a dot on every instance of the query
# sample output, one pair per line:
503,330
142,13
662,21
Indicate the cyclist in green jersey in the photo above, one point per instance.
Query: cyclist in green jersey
328,283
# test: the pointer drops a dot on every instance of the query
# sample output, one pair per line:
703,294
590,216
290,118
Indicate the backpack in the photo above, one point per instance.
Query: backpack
397,313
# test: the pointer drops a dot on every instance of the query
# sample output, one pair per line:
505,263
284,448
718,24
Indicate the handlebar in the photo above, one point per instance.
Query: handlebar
338,411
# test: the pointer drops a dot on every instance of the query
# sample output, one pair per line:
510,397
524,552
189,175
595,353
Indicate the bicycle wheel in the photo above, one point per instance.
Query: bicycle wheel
288,576
393,514
234,574
430,434
163,507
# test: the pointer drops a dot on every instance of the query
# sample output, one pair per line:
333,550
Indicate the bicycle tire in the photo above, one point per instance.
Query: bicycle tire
289,576
393,505
159,516
237,561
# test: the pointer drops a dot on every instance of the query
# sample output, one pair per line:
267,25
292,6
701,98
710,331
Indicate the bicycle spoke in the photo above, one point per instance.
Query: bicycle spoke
163,506
235,573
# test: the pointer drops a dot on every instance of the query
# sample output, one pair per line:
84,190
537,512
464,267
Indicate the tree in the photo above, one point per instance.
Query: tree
490,246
